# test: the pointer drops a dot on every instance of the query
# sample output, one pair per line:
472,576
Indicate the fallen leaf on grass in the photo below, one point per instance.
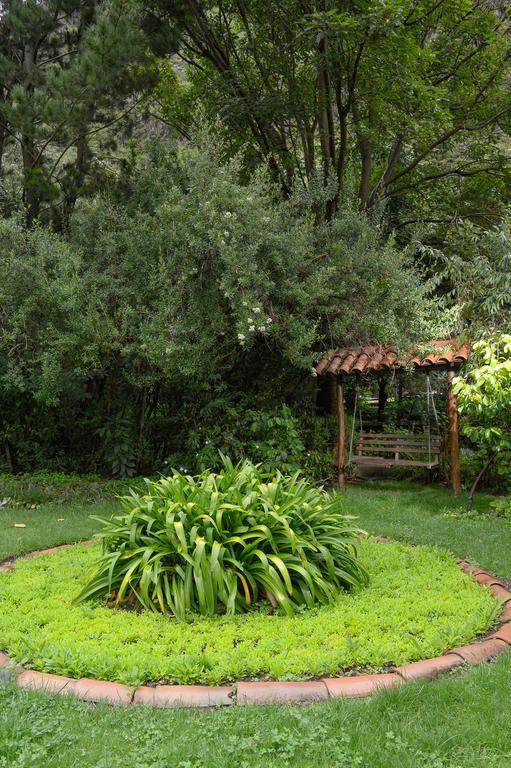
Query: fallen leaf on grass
20,525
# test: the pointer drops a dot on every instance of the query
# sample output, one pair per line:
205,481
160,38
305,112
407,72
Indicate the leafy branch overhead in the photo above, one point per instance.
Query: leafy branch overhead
391,98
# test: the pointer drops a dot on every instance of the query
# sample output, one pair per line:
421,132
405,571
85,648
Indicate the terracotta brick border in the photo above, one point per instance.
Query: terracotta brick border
271,692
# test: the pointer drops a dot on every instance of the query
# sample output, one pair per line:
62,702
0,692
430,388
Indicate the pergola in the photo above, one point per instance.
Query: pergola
374,361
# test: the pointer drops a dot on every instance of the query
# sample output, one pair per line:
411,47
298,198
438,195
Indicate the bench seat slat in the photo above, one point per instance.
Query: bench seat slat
416,449
425,447
392,436
381,461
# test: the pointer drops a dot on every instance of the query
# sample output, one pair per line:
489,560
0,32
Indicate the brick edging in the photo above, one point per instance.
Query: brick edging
272,692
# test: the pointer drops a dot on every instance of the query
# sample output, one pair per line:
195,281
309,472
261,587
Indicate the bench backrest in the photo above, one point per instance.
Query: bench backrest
396,443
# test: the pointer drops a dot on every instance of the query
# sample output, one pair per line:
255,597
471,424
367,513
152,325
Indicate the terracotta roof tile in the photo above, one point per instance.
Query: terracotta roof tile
371,359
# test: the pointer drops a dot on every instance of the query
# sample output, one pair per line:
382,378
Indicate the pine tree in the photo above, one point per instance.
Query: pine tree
69,71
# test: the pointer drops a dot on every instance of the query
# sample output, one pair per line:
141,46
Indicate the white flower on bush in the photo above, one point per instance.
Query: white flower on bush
241,336
262,328
251,328
269,320
227,214
250,319
256,310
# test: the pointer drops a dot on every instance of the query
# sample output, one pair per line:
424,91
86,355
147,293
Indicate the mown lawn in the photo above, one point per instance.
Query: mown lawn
433,515
457,722
48,525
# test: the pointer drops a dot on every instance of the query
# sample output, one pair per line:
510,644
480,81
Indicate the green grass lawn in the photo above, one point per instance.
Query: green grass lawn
423,515
461,721
48,525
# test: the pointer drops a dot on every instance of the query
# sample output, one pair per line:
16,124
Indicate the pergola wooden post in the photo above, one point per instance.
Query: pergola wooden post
341,442
452,405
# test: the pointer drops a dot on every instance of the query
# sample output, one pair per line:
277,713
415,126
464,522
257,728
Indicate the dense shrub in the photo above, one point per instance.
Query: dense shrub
274,436
185,282
221,542
484,400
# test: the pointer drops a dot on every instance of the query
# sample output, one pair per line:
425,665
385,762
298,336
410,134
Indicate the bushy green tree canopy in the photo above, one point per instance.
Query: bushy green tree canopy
484,398
181,277
393,99
69,72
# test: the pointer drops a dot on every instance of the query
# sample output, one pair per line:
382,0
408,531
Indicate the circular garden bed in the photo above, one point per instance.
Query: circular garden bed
418,605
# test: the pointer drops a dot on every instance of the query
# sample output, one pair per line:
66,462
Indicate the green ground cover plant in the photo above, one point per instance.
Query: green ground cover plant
418,604
458,721
221,542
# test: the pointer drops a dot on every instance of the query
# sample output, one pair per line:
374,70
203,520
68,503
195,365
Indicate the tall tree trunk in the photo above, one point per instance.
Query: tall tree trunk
8,457
326,122
382,396
341,157
365,173
3,137
364,147
31,194
80,170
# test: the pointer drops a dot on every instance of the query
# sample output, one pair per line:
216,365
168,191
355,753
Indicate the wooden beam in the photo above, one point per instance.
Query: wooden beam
452,402
382,395
341,444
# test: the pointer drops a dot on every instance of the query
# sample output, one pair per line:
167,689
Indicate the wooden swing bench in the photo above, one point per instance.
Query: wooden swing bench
371,445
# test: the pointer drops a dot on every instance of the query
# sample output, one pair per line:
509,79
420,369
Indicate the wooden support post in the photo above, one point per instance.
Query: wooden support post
331,383
453,435
341,445
399,398
382,395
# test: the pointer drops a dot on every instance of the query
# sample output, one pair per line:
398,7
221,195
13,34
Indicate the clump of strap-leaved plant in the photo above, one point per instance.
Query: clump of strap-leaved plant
224,542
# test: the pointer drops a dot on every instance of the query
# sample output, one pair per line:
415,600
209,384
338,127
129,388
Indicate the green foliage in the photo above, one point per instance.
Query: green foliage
222,542
417,604
502,506
475,263
271,437
68,69
484,398
184,280
209,267
404,102
41,300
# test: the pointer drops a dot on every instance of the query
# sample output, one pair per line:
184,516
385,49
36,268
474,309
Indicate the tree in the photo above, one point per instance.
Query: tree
393,99
181,280
474,269
69,70
484,400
